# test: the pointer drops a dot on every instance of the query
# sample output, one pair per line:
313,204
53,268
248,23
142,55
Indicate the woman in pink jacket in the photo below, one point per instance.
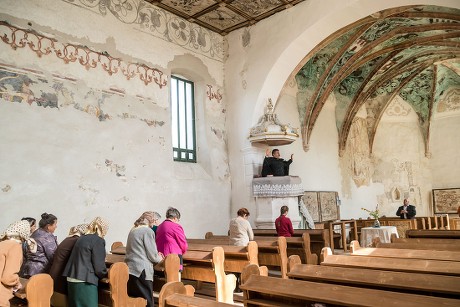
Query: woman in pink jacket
170,237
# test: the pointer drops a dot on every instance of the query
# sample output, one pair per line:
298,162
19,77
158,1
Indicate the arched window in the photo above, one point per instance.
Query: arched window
183,120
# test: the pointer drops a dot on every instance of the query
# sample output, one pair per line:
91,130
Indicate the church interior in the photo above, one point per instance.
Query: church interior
363,96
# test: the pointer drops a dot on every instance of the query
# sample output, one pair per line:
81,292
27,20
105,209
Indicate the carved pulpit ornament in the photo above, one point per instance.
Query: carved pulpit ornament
270,131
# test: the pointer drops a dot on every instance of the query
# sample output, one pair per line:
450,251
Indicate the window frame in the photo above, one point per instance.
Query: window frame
189,122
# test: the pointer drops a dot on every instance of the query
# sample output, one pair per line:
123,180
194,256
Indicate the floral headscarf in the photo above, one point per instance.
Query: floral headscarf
98,226
78,230
19,230
148,217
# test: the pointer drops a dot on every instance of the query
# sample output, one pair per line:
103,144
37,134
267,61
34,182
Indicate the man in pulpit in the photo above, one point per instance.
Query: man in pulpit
274,165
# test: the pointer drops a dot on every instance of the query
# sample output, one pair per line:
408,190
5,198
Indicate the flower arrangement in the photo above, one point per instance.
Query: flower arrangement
375,214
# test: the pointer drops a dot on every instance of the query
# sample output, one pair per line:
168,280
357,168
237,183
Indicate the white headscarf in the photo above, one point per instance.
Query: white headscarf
98,226
19,230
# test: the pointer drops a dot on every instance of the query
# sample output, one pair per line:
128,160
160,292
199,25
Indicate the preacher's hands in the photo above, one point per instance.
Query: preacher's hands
267,152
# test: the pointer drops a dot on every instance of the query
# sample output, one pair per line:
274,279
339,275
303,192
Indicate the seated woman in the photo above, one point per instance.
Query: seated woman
171,236
40,255
61,256
240,230
25,246
86,265
141,256
11,258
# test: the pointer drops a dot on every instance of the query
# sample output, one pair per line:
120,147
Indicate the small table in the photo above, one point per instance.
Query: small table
383,232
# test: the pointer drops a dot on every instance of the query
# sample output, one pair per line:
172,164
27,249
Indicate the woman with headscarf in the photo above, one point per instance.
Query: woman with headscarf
40,255
11,259
86,265
61,256
25,246
141,256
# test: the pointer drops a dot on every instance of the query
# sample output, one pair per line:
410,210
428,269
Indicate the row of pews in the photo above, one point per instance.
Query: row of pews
365,277
377,276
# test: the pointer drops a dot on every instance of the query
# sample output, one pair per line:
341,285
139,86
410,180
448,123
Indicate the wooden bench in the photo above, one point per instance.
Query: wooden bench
272,251
438,267
421,246
270,291
319,238
169,267
207,263
356,250
425,284
395,239
118,287
175,294
427,233
37,290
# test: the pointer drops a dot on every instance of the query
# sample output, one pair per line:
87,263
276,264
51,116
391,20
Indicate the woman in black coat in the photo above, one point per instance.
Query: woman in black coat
86,265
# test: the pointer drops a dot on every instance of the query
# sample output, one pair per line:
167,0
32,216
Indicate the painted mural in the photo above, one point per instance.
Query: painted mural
21,86
159,23
393,52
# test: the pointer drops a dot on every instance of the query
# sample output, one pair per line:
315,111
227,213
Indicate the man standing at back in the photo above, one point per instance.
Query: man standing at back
406,211
283,224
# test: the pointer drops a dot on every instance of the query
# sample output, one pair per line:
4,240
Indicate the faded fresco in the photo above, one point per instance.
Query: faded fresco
381,58
20,86
159,23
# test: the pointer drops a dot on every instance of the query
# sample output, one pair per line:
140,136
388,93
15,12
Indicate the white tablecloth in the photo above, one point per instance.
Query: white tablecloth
383,232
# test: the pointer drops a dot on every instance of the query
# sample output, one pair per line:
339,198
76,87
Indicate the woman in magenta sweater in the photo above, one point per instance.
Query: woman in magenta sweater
170,237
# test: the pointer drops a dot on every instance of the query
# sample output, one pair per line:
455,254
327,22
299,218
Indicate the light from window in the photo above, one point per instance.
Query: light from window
183,120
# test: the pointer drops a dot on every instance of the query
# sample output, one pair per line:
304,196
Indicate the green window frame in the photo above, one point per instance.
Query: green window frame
183,120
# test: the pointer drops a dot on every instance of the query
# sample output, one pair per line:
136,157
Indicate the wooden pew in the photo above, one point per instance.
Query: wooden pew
272,251
118,283
425,284
421,246
395,239
270,291
273,254
175,294
438,267
429,233
319,238
356,250
236,257
165,271
37,290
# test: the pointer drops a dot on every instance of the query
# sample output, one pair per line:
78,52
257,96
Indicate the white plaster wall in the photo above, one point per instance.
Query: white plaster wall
259,71
445,149
64,160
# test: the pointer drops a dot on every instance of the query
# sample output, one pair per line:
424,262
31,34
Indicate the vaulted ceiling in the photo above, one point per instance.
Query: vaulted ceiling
224,16
409,51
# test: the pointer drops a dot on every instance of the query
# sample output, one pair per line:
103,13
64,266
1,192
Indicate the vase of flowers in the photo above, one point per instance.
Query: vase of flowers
374,214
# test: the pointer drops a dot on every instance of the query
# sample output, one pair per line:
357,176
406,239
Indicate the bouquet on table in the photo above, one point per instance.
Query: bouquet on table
375,213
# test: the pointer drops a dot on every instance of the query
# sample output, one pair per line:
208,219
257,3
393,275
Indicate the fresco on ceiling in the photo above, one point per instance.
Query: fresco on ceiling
21,86
380,57
418,93
309,75
159,23
446,79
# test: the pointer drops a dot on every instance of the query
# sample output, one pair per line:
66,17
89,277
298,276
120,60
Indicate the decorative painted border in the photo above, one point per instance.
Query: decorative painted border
155,21
42,45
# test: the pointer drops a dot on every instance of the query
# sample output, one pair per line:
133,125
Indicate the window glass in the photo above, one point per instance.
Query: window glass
183,120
